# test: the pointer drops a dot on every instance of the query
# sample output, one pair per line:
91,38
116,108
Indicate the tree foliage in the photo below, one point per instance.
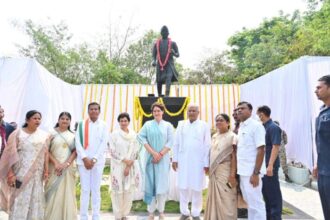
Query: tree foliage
80,63
274,43
280,40
213,69
258,51
138,56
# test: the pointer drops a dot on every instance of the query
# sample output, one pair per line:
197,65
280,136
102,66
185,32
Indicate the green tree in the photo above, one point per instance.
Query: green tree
313,36
258,51
138,56
213,69
50,47
280,40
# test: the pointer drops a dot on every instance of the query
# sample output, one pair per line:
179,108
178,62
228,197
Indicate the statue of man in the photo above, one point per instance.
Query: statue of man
162,53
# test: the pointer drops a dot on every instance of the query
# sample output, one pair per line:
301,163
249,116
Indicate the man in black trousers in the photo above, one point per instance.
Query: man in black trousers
270,182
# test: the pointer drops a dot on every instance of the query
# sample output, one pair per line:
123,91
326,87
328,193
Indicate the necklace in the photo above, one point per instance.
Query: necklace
169,44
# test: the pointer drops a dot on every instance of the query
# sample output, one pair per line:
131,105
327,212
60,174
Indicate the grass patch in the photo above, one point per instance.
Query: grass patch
106,204
172,207
287,211
139,206
106,170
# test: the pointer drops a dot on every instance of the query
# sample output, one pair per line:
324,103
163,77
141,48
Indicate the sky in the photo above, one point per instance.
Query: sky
199,27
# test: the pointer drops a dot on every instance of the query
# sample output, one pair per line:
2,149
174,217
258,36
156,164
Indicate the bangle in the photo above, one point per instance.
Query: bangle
161,154
68,163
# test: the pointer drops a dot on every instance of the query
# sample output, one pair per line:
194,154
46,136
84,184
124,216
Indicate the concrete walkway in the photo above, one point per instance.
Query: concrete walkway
305,199
304,202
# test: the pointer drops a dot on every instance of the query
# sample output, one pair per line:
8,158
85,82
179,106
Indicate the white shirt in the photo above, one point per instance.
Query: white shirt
97,139
191,151
251,135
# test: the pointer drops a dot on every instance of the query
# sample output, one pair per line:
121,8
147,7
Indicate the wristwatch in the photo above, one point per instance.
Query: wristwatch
94,160
256,172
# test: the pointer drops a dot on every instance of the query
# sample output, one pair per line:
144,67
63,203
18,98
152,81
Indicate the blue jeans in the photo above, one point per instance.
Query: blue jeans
272,195
323,184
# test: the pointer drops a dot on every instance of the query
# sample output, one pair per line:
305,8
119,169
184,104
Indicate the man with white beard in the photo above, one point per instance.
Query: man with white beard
191,160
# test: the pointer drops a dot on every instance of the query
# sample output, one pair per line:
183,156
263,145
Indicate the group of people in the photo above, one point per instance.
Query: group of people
244,159
31,155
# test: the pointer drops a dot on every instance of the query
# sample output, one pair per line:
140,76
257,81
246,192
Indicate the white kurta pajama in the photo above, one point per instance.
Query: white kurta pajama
251,135
191,151
123,146
90,180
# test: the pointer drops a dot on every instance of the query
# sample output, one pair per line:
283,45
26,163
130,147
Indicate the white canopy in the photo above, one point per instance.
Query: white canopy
26,85
289,92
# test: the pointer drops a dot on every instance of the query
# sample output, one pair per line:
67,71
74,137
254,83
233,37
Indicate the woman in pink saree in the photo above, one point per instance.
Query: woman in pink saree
23,167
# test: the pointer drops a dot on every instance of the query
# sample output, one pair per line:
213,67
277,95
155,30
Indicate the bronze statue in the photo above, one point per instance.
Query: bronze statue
162,53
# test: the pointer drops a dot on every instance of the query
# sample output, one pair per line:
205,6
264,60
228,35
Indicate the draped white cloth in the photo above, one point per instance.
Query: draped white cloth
289,92
26,85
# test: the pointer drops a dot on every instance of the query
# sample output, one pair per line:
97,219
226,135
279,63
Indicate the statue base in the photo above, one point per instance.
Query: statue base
175,108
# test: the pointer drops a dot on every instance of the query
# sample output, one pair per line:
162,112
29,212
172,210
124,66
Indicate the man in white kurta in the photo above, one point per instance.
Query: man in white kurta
91,143
250,161
191,160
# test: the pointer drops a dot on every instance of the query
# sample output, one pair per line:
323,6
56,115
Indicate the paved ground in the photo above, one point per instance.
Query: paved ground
302,198
304,203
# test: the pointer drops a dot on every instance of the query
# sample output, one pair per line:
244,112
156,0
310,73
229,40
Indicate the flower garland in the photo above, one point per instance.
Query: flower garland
169,47
183,107
139,112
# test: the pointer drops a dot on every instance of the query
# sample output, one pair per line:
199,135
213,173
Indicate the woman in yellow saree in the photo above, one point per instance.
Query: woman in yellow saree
60,189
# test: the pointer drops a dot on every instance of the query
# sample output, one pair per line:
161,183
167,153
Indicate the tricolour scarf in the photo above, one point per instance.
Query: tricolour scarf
84,133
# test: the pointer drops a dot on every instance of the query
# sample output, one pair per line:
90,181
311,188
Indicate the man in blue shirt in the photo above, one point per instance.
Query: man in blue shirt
271,186
322,139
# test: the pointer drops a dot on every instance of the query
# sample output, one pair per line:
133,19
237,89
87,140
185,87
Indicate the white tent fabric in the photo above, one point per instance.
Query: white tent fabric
289,92
26,85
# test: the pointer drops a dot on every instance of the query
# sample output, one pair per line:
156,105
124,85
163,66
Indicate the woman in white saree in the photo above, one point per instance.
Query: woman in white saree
23,166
